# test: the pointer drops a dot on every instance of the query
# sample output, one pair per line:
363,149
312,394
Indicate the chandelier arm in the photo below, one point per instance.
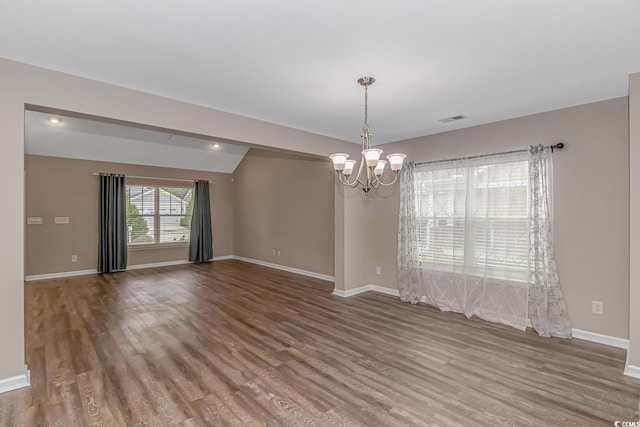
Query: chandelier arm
371,178
395,178
352,184
360,166
357,181
344,181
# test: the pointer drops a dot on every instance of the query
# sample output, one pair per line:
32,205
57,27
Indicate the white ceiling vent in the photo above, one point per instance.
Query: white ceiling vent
453,118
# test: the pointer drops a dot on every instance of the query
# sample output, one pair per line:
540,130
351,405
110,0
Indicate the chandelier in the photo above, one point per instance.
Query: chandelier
369,176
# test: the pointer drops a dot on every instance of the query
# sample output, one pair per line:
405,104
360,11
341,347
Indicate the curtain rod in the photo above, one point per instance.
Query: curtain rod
556,146
151,177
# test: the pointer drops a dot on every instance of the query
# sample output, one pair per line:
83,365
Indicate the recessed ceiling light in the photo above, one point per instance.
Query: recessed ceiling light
216,145
55,120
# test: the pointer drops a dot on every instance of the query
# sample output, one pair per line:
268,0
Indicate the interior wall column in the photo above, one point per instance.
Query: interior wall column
339,249
12,359
633,358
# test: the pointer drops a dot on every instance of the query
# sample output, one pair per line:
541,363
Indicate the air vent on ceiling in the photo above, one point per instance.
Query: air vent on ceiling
453,118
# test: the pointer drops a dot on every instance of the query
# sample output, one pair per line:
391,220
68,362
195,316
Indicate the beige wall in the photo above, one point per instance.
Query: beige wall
634,160
591,187
281,202
371,226
12,242
22,84
66,187
284,202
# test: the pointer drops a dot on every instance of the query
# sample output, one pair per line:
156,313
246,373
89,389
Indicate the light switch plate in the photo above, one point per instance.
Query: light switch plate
62,220
34,220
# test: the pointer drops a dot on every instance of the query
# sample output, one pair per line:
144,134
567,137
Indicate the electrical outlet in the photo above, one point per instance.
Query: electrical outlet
273,252
278,253
597,307
61,220
74,258
378,270
34,220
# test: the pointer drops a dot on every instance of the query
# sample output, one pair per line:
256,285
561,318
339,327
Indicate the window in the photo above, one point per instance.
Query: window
474,217
158,215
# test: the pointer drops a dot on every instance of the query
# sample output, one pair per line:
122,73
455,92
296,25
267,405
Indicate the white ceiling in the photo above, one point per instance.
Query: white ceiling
295,62
80,138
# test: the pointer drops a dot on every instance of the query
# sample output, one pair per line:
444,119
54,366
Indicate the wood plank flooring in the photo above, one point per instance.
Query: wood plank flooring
231,343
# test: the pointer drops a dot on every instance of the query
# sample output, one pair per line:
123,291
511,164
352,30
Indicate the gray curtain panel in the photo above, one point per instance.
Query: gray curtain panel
112,224
201,241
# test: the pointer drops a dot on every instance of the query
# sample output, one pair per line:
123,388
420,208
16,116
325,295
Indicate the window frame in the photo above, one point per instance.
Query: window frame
157,216
427,259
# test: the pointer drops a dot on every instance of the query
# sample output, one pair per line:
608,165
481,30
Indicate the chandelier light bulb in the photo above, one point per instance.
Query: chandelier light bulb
379,170
395,161
348,167
372,155
339,160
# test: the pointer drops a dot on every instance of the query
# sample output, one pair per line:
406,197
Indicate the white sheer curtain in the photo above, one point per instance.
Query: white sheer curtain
547,309
465,239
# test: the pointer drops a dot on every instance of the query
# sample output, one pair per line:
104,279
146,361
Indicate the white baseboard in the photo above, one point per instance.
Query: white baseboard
632,371
285,268
14,383
600,338
59,275
170,263
157,264
222,258
383,290
366,288
180,262
351,292
129,267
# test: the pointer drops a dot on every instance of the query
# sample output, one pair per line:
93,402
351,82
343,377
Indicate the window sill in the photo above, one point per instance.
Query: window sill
156,246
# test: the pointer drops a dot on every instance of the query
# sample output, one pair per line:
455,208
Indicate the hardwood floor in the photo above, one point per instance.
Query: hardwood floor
231,343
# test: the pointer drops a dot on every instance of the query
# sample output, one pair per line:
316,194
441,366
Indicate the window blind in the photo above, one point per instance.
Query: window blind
473,217
158,214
